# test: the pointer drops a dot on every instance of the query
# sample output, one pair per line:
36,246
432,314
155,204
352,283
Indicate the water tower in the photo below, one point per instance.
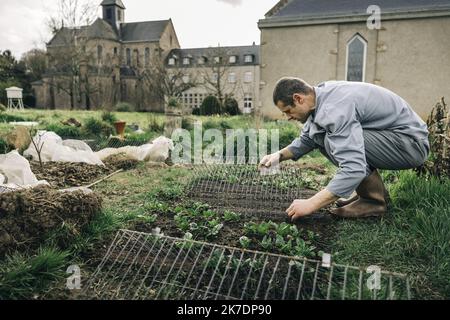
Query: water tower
14,96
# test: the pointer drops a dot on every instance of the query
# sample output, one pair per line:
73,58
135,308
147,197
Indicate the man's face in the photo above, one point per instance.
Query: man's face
300,111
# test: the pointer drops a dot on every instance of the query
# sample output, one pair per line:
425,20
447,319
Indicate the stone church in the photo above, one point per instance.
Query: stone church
320,40
99,65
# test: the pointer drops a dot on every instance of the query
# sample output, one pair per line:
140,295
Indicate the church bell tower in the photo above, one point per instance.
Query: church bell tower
113,13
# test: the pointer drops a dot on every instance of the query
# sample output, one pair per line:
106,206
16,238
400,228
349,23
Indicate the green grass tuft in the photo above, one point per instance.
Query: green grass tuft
22,276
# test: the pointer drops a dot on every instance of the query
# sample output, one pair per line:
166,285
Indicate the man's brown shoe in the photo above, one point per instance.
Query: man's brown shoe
372,199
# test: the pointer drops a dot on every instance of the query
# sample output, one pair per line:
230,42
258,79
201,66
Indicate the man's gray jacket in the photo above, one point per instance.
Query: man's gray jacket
343,111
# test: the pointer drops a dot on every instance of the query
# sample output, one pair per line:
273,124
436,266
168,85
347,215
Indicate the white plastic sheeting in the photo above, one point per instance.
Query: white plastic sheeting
157,151
16,172
56,150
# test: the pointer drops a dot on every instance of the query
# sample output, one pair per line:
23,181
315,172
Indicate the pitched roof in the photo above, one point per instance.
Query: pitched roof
64,36
113,2
323,9
149,31
102,30
239,51
143,31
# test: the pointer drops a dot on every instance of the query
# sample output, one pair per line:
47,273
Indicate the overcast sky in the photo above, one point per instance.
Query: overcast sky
198,23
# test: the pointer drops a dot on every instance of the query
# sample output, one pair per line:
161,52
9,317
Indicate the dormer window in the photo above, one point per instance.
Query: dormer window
109,13
186,61
248,58
171,61
217,59
233,59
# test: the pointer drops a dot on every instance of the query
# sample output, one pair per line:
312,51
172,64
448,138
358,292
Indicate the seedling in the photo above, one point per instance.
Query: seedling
230,216
245,242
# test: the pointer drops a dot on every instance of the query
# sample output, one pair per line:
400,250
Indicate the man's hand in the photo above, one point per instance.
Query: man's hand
270,160
300,208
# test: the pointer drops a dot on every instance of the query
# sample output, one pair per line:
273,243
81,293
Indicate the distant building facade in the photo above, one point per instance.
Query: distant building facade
233,70
113,63
320,40
117,56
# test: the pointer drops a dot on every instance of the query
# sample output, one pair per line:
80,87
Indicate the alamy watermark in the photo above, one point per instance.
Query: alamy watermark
374,280
212,146
374,20
73,282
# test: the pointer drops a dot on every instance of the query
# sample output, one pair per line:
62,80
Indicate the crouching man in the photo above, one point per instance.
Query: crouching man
360,128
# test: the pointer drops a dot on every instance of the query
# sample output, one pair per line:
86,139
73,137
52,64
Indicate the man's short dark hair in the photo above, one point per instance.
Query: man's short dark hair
287,87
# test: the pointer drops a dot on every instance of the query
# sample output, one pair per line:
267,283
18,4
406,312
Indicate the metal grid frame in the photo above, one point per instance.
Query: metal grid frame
244,189
144,266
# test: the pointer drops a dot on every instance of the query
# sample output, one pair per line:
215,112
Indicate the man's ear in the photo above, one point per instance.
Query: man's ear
298,98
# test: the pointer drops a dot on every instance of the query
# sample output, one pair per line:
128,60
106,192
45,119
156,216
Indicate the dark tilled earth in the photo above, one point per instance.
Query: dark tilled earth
66,175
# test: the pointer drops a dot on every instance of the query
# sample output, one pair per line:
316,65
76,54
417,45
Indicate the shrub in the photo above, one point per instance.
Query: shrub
2,108
4,147
232,107
187,124
124,107
109,117
65,132
210,106
97,127
29,101
196,112
155,125
173,103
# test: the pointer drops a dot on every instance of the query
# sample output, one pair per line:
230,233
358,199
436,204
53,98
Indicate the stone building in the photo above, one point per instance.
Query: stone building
106,62
319,40
232,70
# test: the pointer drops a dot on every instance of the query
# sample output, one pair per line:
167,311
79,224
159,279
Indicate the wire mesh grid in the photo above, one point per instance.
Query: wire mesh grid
156,267
245,189
114,142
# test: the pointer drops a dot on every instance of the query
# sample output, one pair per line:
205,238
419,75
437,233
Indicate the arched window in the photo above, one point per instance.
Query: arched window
147,56
100,54
128,57
136,56
356,59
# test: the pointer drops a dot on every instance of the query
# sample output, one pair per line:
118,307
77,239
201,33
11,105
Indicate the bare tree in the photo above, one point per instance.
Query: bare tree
166,83
35,63
69,61
215,74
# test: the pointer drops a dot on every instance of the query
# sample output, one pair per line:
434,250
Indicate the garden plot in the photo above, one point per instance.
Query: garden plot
145,266
243,189
224,236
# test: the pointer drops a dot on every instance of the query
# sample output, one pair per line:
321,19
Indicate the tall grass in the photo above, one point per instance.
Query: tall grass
413,238
22,276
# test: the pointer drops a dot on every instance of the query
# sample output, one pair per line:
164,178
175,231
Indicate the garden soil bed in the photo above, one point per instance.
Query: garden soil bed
67,174
27,217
